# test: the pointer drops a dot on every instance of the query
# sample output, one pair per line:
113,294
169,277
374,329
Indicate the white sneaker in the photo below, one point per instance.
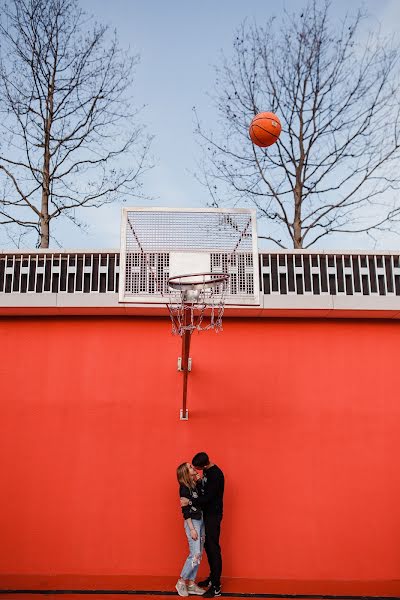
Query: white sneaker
181,588
194,589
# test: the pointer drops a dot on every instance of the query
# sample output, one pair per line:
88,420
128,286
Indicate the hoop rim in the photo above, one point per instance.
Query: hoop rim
209,279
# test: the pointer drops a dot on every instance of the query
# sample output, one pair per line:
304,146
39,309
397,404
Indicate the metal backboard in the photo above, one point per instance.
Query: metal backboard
158,243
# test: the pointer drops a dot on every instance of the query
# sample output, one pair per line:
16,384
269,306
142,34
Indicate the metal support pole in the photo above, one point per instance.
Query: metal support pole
185,364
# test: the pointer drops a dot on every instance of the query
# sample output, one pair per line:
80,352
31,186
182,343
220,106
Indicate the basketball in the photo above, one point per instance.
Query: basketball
265,129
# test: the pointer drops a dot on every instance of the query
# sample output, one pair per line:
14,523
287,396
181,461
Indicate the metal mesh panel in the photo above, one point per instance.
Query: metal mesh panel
187,230
154,242
239,267
146,273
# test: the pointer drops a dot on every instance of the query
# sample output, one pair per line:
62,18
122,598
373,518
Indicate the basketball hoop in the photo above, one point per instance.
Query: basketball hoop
197,301
217,246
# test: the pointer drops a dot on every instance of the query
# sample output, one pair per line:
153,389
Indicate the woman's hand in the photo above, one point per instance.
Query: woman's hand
194,535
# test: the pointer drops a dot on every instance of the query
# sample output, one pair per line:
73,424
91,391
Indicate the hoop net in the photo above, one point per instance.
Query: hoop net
197,302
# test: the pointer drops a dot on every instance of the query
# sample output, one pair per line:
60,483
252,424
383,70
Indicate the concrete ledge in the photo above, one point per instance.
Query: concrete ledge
230,312
274,305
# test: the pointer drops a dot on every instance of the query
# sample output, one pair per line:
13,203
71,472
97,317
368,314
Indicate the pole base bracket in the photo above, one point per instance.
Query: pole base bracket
183,416
180,364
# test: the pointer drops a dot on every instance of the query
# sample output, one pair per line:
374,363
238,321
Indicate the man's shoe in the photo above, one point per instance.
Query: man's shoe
205,583
212,592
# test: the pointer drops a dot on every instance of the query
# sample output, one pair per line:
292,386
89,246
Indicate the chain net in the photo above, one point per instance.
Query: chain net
198,306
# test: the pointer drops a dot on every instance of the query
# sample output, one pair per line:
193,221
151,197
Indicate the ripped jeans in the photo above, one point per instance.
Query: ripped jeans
192,563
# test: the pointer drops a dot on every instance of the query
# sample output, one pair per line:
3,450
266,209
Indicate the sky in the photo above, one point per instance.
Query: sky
180,42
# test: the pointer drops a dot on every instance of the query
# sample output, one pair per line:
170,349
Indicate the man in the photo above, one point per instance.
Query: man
211,502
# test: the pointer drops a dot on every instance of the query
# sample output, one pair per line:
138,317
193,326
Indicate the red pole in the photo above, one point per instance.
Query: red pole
185,359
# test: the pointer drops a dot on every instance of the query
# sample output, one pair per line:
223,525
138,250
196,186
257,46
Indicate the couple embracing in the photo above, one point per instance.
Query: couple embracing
201,500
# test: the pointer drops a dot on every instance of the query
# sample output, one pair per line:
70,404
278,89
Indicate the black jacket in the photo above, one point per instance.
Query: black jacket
193,511
211,499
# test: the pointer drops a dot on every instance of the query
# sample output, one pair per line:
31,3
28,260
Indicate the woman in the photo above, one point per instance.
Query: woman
194,528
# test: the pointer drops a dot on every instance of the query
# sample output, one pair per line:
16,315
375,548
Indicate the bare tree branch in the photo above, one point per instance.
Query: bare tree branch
69,135
335,167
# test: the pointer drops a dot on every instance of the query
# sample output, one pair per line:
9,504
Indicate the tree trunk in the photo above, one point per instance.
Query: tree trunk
44,232
297,237
44,219
298,188
298,199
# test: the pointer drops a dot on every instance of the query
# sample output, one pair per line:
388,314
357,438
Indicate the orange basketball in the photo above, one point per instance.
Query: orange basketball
265,129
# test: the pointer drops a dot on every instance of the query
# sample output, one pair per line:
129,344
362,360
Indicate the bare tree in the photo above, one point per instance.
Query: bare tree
336,166
68,133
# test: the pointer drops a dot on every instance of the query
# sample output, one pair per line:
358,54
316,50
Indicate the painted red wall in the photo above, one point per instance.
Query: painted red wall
303,417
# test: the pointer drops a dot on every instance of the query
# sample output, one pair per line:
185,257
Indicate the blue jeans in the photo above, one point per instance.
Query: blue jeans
192,563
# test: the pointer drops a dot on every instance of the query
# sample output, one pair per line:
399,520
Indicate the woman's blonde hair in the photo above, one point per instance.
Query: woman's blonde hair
184,477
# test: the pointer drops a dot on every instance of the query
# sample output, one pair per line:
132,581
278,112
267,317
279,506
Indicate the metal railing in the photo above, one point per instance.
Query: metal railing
53,272
335,274
281,273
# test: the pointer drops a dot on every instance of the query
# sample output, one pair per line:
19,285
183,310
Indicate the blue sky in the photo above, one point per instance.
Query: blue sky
179,43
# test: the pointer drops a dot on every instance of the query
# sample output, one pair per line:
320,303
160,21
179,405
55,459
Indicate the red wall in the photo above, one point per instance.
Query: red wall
303,417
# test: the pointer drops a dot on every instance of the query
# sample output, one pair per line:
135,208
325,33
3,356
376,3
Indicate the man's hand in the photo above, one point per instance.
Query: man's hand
184,502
